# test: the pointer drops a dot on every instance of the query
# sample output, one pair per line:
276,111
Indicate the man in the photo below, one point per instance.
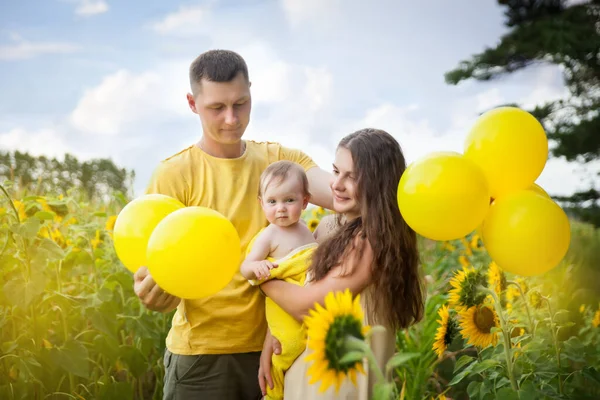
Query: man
213,347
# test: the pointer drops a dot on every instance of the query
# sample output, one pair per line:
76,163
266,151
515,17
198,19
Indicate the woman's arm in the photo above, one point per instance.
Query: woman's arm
298,300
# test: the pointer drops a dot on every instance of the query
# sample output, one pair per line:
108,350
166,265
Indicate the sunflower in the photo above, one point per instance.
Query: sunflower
496,278
463,261
327,329
467,247
449,246
476,324
475,242
312,224
445,332
535,299
465,292
110,223
318,212
596,320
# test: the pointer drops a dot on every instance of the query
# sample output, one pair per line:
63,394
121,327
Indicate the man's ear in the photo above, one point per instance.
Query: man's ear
192,103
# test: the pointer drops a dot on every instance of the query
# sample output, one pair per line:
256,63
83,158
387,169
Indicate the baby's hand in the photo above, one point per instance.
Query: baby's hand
262,269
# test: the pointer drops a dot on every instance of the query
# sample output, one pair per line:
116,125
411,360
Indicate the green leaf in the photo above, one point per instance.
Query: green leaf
20,292
473,389
486,387
352,357
507,393
400,358
527,391
134,358
54,251
116,391
8,347
99,214
592,374
108,346
459,377
73,358
103,322
44,215
462,361
484,365
383,391
27,229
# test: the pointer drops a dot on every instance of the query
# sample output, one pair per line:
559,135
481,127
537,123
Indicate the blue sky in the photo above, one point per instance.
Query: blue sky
101,78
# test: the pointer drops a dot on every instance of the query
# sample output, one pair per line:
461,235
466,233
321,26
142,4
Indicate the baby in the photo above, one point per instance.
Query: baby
282,250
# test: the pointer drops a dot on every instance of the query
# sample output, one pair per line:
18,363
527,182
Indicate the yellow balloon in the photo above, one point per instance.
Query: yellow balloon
135,224
511,148
443,196
194,252
538,189
525,233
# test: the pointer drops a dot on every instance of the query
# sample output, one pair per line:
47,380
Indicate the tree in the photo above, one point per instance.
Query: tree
554,31
96,178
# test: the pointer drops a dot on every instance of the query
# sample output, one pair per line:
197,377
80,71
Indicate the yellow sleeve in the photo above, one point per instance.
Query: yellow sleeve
297,156
167,179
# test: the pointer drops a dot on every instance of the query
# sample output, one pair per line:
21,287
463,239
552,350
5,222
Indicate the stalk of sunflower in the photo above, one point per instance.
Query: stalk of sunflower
505,335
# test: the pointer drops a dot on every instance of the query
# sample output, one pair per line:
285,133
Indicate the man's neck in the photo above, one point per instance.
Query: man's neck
220,150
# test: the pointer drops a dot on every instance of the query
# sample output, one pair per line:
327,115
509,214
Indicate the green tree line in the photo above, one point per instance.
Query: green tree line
40,175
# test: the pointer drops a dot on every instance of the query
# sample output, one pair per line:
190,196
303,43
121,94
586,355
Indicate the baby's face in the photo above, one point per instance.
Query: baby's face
284,201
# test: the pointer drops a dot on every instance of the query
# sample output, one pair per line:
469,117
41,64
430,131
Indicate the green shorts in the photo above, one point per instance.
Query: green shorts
212,376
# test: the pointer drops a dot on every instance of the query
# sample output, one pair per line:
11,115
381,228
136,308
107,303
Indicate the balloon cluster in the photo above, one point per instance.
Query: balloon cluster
490,188
191,252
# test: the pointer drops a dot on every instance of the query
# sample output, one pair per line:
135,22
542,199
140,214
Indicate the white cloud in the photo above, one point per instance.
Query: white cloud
24,49
88,8
188,20
547,86
121,98
298,12
489,99
46,142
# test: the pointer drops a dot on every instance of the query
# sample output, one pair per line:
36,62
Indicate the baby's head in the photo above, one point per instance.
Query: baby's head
283,192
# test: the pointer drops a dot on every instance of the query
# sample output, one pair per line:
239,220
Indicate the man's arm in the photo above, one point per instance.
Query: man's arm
318,179
319,182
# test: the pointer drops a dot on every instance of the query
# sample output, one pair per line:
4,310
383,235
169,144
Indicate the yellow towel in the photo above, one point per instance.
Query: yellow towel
290,333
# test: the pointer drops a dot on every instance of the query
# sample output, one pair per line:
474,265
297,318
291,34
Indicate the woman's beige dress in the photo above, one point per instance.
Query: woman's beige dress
383,345
296,386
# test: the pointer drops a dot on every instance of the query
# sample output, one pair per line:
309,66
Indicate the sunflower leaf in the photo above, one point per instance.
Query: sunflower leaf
462,361
352,357
400,359
459,377
485,364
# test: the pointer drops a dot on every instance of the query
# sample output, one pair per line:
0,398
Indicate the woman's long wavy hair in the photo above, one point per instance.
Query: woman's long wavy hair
396,295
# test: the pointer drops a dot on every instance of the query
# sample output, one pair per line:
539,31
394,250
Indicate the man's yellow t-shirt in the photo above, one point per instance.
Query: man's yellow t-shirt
233,320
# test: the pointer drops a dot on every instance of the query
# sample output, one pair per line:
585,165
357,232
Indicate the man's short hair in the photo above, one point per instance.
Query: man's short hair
217,66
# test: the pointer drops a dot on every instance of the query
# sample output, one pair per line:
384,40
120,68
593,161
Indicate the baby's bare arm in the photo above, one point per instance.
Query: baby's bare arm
260,251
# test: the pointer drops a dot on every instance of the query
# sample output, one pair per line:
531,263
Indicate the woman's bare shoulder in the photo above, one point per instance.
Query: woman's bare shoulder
326,227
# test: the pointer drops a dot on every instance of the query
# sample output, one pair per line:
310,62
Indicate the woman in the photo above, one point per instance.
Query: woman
370,250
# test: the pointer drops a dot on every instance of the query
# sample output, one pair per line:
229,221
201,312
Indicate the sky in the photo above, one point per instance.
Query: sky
108,79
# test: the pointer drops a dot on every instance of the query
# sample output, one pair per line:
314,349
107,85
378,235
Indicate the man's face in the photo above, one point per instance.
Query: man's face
224,109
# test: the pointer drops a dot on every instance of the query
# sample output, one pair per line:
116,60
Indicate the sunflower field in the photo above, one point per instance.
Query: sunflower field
71,326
